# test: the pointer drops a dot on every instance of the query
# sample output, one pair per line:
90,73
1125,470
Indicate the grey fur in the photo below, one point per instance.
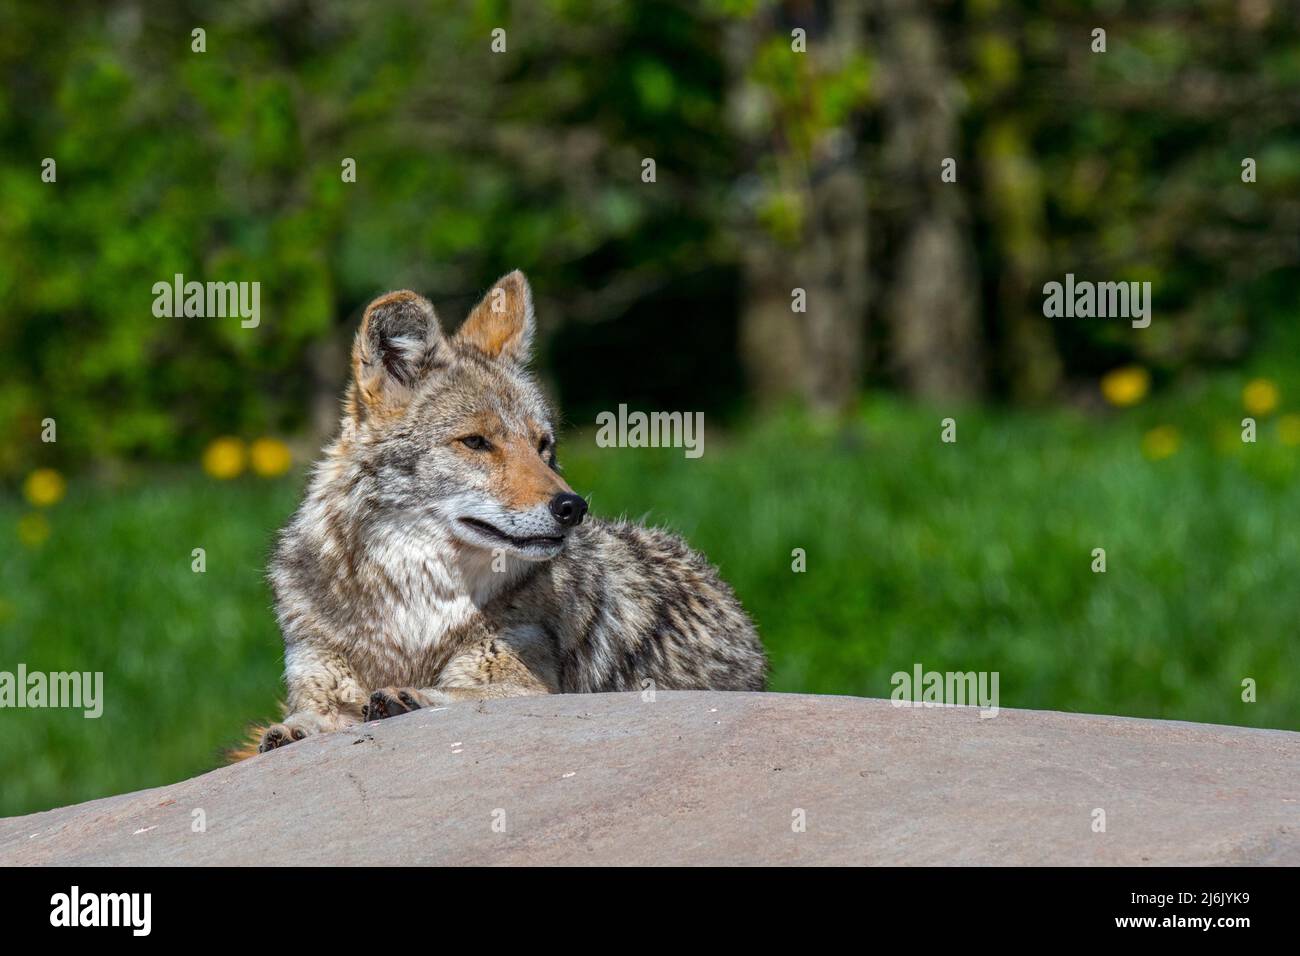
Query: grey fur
389,599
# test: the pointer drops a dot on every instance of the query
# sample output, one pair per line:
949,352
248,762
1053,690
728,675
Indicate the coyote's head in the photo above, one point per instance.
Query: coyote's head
454,429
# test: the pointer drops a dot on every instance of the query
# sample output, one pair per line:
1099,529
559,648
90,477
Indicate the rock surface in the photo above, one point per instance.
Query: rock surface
696,778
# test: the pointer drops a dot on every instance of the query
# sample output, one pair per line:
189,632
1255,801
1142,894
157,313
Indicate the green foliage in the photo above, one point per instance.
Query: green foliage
188,659
1136,153
226,165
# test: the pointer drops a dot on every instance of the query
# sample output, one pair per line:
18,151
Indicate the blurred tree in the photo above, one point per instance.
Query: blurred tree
799,81
229,164
1126,165
785,161
932,308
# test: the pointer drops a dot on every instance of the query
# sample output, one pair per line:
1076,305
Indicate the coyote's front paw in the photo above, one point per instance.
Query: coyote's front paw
277,735
391,701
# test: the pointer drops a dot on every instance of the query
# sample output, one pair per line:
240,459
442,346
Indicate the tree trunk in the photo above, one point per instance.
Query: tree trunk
815,355
932,308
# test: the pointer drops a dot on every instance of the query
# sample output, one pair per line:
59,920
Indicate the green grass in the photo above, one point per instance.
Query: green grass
966,556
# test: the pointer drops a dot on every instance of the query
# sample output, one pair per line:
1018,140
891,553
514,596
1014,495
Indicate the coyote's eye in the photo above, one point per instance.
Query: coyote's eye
546,448
476,442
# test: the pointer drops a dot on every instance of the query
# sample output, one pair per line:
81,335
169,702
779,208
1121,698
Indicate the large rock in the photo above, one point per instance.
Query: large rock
712,778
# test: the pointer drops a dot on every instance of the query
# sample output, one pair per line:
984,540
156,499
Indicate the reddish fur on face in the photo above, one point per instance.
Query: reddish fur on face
524,479
521,477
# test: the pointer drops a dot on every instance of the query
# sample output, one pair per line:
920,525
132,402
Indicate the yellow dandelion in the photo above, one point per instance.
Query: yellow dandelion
224,458
33,529
1288,429
270,457
1126,386
1161,442
44,487
1260,396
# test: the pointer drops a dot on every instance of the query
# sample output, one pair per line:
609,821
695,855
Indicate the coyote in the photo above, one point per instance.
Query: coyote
439,556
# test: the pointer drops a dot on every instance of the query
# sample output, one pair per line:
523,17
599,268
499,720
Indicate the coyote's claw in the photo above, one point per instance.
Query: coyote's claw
391,701
277,735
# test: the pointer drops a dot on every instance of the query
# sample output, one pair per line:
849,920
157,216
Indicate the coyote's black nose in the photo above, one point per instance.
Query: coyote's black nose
568,508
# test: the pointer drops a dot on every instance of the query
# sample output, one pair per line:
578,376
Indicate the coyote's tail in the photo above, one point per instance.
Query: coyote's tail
248,747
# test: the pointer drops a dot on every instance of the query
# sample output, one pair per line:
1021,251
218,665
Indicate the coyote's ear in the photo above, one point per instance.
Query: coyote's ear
397,345
501,326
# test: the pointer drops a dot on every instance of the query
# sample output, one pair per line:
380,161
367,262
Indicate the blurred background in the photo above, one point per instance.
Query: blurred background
774,170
